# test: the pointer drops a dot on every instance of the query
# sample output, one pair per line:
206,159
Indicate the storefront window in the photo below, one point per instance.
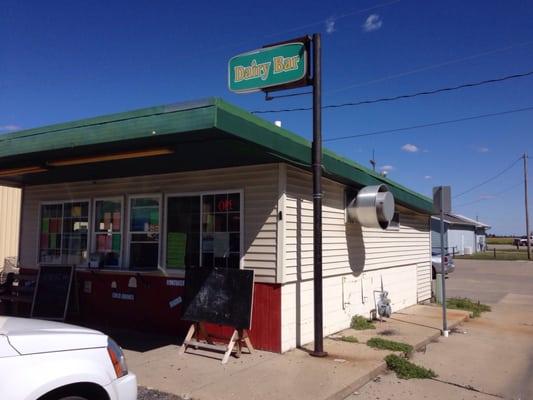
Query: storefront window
221,230
108,232
64,233
204,230
183,232
144,233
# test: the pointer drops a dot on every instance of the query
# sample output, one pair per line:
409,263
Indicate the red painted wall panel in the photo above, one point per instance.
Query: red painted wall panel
150,311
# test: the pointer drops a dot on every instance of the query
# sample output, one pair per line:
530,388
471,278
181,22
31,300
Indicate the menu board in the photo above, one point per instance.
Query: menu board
219,295
52,292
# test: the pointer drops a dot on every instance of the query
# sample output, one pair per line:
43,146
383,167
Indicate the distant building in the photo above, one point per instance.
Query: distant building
461,234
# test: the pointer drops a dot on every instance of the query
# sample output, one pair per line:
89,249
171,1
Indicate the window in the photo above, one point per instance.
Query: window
64,233
144,231
183,232
204,230
108,231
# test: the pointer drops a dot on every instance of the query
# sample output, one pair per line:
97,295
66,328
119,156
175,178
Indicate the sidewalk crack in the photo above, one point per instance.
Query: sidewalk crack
467,387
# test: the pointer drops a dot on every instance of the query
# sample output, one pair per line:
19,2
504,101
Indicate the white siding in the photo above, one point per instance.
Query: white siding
259,183
347,248
355,260
344,296
9,223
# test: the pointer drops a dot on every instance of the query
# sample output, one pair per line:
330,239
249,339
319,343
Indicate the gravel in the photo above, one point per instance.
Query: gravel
144,393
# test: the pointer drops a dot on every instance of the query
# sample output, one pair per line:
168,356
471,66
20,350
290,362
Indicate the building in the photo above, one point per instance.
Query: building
10,199
143,194
462,235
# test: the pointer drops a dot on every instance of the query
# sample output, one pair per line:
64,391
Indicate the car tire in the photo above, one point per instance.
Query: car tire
73,398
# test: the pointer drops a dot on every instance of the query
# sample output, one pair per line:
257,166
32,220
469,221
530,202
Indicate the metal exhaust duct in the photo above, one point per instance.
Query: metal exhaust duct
373,207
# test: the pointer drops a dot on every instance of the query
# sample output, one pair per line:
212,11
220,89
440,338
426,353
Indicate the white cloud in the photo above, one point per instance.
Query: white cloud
386,168
427,177
9,128
330,25
372,23
410,148
482,149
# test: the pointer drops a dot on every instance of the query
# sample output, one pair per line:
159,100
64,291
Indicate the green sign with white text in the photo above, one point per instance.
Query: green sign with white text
268,67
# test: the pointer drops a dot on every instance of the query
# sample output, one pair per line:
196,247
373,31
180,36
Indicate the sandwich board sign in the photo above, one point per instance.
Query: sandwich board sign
280,66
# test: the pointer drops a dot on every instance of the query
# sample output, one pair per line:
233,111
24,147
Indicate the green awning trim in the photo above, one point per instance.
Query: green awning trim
295,148
211,114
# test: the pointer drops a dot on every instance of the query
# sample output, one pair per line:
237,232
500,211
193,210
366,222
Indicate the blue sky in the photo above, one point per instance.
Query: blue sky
64,60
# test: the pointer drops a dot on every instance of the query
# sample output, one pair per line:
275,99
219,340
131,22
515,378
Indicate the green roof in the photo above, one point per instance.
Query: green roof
199,122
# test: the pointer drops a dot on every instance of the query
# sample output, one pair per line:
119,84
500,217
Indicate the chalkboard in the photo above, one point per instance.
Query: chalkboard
220,296
51,297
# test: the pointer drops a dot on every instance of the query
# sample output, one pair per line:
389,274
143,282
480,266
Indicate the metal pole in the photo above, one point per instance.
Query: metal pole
528,235
443,275
317,196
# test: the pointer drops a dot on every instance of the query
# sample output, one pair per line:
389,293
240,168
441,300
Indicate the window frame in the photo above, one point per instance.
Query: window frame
39,221
159,197
200,194
94,233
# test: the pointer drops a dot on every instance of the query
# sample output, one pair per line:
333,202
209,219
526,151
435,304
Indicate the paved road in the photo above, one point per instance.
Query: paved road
492,354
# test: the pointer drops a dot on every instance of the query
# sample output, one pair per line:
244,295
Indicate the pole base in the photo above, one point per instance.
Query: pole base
318,353
445,333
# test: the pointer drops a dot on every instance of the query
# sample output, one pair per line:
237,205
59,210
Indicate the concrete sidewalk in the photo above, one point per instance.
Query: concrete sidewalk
489,357
293,375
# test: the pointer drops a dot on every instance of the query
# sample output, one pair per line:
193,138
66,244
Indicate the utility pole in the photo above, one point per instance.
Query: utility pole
373,161
442,203
317,197
528,235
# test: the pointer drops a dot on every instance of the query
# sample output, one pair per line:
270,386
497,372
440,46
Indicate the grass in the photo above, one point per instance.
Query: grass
349,339
499,240
360,323
460,303
384,344
407,370
508,255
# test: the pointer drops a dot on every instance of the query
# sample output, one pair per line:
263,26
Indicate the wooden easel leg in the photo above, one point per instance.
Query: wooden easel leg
234,338
248,342
189,336
239,344
244,340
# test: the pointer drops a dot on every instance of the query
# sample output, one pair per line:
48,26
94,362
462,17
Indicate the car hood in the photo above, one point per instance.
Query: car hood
30,336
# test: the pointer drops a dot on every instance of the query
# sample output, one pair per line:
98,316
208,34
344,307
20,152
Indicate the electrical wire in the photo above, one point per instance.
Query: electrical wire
493,196
430,124
404,96
489,179
429,67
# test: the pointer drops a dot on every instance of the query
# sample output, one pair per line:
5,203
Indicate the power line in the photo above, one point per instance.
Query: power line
490,179
430,67
430,124
495,195
404,96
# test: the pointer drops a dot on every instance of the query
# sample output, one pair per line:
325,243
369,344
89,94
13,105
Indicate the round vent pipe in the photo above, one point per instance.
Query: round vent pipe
373,207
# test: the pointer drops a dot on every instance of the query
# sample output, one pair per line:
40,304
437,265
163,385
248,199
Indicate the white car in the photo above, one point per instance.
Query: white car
43,360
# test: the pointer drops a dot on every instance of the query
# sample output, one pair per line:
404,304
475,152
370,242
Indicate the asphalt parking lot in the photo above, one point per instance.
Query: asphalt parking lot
486,358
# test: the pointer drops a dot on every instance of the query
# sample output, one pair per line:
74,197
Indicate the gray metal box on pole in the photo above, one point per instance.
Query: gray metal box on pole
442,199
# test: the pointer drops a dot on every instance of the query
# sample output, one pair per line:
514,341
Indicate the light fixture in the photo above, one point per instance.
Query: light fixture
111,157
21,171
